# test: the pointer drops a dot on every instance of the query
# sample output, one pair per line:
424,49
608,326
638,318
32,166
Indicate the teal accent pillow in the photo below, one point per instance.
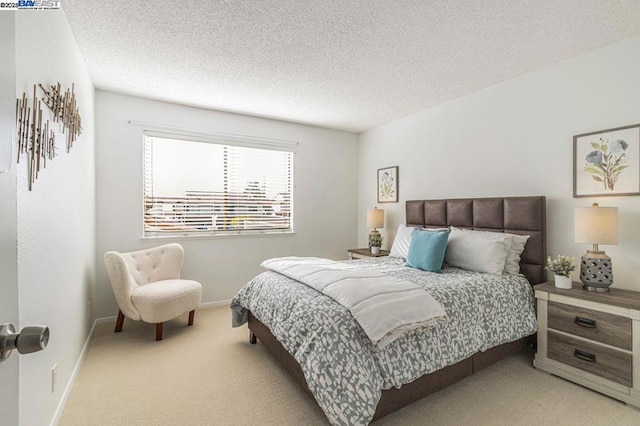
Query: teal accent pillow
427,249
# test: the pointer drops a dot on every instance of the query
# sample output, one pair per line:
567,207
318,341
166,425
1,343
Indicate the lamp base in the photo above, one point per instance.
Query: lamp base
596,271
596,289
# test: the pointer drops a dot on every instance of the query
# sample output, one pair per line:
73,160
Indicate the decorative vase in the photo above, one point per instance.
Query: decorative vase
375,250
562,282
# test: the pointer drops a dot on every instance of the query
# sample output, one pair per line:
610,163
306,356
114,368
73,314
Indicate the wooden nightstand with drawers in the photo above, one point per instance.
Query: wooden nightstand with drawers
592,339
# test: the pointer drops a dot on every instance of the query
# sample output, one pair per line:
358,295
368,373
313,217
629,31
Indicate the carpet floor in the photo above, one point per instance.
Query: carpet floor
209,374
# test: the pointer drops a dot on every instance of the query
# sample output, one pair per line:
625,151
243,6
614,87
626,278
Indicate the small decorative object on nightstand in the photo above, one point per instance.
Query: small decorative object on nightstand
561,267
375,219
596,225
592,339
363,253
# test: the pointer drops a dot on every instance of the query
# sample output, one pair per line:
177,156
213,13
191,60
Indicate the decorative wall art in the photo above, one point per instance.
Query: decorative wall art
35,141
64,109
607,162
388,185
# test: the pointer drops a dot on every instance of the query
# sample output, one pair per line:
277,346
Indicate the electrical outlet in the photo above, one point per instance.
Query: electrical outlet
54,374
89,310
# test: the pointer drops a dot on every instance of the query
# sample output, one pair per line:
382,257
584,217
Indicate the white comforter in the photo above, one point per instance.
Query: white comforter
386,307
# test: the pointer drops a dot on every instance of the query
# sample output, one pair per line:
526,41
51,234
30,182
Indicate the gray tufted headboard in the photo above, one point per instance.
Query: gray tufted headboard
516,215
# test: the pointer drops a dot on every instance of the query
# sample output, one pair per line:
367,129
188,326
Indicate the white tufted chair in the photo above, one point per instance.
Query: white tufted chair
148,288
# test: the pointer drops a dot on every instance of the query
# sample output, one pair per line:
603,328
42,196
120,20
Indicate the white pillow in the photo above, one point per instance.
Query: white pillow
512,263
400,247
474,251
514,244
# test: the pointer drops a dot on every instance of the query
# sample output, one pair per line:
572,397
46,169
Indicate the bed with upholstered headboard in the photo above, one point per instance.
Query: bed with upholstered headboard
515,215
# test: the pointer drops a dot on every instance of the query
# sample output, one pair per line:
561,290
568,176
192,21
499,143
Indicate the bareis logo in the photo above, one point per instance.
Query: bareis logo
30,5
39,4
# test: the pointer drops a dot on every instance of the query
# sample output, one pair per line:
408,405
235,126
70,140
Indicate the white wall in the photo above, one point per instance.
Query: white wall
56,221
515,138
325,194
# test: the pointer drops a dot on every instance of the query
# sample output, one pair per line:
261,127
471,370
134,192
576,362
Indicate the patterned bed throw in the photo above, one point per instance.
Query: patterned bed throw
386,307
345,371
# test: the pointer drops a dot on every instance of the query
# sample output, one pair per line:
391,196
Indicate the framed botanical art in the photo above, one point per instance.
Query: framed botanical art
388,185
607,163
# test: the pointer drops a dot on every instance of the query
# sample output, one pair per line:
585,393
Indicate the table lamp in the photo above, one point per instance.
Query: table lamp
596,225
375,219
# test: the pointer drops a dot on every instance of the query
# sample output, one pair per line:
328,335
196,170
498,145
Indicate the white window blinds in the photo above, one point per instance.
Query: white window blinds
193,187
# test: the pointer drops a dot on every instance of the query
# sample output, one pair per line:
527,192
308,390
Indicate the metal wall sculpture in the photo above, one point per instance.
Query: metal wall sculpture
65,110
35,140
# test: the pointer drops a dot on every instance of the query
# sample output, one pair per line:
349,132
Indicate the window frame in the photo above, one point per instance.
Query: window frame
228,140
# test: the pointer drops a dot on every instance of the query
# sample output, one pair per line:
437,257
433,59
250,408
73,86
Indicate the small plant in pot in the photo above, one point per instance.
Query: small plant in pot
375,242
562,266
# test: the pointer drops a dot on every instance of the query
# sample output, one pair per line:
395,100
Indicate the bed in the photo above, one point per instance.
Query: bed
353,382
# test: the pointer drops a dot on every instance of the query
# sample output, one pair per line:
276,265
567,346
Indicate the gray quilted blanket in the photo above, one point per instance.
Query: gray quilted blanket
345,372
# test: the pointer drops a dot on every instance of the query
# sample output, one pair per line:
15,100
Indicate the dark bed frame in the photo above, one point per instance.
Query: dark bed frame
516,215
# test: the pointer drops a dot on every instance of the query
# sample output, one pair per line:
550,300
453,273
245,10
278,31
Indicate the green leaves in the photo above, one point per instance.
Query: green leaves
387,190
562,265
605,165
596,170
375,240
618,169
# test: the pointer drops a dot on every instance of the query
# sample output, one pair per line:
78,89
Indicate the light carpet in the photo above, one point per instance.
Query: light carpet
209,374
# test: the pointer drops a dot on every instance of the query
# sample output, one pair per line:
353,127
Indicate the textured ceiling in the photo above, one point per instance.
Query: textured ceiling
344,64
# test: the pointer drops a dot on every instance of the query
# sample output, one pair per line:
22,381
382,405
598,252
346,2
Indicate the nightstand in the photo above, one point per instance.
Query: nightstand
363,253
592,339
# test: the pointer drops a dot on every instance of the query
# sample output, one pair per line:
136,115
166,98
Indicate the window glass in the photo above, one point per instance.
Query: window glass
197,188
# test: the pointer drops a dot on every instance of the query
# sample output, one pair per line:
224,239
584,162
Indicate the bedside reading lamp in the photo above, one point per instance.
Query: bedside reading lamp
596,225
375,219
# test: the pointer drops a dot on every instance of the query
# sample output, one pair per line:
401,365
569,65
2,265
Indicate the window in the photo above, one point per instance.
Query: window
204,186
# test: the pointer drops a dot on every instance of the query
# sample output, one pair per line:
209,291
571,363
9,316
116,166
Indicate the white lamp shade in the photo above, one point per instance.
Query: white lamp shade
596,225
375,218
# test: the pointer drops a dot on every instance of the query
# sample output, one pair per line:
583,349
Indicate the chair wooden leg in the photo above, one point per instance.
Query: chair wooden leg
252,338
192,314
158,331
119,322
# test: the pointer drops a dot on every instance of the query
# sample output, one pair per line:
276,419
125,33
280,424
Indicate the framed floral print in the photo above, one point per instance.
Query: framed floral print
388,185
607,162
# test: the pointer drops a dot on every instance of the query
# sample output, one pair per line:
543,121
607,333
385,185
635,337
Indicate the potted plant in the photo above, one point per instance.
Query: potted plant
562,267
375,242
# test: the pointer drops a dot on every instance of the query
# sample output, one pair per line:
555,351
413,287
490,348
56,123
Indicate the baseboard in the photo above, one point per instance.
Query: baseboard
215,304
74,374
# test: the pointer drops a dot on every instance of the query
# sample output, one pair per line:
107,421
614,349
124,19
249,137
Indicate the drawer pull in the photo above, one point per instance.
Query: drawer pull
585,356
585,322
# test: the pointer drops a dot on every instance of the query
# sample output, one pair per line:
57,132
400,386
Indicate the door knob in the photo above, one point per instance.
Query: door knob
31,339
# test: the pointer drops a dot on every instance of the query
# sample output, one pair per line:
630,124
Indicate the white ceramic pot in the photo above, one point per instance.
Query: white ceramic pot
375,250
562,282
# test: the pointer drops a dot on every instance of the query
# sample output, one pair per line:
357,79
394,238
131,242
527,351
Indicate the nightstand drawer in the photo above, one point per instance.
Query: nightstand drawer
609,363
601,327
